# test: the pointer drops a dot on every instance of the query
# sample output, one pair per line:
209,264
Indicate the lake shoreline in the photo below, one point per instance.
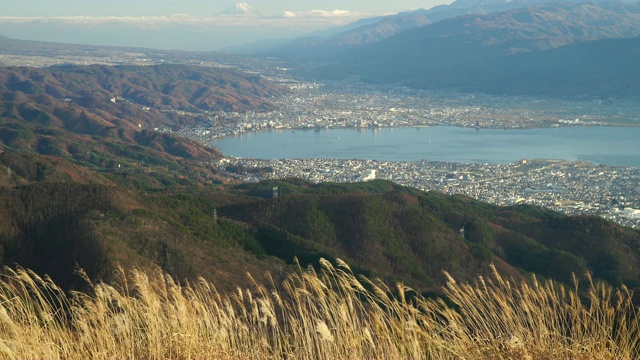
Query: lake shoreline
611,145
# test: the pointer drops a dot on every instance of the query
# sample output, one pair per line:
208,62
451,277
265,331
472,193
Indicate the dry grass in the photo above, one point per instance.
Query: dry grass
330,314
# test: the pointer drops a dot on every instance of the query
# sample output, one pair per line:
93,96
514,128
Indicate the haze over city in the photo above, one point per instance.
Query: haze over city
184,25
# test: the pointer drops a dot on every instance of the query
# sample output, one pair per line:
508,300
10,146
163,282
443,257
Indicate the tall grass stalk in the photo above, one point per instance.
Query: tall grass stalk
324,314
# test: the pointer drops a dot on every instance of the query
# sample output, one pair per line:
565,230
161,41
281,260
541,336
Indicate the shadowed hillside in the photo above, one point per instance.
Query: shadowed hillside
605,68
383,230
504,52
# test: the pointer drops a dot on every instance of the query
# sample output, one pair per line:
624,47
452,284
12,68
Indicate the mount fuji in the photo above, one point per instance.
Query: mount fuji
239,9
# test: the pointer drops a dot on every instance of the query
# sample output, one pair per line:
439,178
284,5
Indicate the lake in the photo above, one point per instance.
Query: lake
599,145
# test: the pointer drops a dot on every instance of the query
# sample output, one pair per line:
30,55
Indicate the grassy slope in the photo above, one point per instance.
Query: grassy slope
325,314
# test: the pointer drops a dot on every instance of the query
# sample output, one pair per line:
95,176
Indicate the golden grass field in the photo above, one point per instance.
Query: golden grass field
324,314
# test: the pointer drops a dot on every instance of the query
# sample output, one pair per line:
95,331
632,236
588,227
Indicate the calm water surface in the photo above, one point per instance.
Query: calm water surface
600,145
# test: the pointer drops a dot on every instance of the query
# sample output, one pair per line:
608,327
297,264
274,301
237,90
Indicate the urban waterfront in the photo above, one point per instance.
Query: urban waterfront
586,170
596,144
575,157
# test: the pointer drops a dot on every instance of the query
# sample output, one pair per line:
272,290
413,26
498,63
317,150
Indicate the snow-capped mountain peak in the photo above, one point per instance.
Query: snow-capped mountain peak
239,9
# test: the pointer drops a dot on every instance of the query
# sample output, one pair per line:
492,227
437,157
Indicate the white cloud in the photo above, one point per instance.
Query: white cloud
324,14
288,18
334,13
289,14
177,31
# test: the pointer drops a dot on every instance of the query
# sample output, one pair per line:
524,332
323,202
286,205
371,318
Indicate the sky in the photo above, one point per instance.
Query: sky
48,8
183,24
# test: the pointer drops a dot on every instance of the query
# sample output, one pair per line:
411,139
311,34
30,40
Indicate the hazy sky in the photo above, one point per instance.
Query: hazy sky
183,24
198,7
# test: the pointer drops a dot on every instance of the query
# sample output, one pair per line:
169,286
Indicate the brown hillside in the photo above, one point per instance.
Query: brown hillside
102,118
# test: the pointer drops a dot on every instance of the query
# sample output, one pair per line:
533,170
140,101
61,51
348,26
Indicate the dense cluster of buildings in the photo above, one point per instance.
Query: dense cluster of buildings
351,104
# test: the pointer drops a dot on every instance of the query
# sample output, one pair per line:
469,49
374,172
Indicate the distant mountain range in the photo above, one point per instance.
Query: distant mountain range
487,52
371,30
239,9
601,68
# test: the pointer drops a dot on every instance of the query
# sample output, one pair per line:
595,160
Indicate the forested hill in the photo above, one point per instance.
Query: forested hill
158,87
381,229
97,122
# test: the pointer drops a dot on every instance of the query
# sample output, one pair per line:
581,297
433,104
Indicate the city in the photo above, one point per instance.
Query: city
351,104
568,187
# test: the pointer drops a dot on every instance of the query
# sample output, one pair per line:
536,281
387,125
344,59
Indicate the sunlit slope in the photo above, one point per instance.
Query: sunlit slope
327,313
